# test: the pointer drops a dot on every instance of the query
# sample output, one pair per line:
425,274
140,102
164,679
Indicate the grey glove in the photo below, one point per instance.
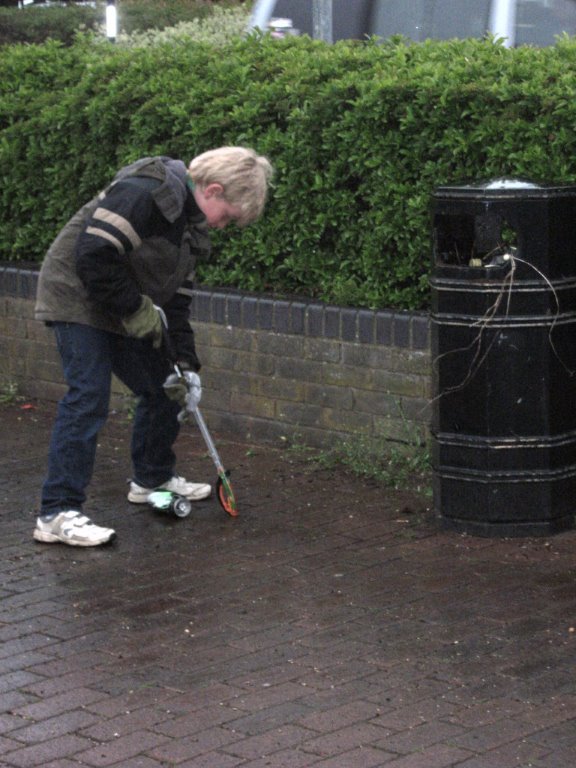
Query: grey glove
186,390
145,323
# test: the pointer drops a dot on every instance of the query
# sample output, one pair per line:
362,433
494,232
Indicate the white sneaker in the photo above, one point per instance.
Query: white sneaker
72,528
192,491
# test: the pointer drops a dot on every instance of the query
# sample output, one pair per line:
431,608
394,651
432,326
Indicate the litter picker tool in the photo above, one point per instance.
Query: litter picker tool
194,393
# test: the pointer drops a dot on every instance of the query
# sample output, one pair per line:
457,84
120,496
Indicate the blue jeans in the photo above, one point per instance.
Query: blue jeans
89,358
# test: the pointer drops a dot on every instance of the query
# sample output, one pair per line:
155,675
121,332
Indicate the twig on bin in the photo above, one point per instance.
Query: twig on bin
483,323
569,371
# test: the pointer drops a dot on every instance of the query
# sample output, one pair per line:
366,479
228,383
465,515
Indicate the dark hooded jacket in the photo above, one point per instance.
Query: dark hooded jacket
142,235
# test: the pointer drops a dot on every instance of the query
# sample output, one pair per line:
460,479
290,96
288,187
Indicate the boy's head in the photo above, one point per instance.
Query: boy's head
242,175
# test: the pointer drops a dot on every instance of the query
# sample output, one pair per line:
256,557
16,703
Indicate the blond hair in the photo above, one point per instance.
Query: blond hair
243,175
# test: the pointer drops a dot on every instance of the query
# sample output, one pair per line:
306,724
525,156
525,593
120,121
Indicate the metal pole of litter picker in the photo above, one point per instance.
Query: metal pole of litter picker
207,439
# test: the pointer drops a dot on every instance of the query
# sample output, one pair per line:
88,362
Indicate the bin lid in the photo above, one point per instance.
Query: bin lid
506,188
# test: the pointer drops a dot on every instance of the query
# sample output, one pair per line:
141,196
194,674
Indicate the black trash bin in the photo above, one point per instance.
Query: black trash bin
504,357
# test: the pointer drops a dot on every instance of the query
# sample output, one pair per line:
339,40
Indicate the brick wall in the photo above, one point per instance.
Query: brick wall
272,369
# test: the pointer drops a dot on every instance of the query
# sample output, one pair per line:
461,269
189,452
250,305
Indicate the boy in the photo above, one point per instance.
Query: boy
128,251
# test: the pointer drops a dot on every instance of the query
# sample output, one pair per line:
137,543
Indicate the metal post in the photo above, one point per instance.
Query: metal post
111,20
261,13
503,21
322,20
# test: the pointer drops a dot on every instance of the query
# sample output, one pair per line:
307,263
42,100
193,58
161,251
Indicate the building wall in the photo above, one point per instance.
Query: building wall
272,369
350,18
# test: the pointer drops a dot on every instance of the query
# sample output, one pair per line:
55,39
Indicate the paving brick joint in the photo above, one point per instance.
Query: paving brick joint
333,624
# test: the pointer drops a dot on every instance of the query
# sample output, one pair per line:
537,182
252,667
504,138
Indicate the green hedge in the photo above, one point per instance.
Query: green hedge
36,24
360,135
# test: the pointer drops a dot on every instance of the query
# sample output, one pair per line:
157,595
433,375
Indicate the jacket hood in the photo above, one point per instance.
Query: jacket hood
171,195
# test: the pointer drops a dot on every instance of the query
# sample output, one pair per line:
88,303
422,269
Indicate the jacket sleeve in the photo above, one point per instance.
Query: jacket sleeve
181,332
125,216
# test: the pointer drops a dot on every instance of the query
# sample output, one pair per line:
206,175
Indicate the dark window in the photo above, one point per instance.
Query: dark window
422,19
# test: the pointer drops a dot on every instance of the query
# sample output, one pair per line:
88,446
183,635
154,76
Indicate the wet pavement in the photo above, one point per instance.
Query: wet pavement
332,624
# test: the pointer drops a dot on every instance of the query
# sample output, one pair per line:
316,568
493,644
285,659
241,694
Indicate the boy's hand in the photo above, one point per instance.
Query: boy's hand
186,390
176,389
145,323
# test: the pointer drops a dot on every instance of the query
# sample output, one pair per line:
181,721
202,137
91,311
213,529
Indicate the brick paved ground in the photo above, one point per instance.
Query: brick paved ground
330,625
